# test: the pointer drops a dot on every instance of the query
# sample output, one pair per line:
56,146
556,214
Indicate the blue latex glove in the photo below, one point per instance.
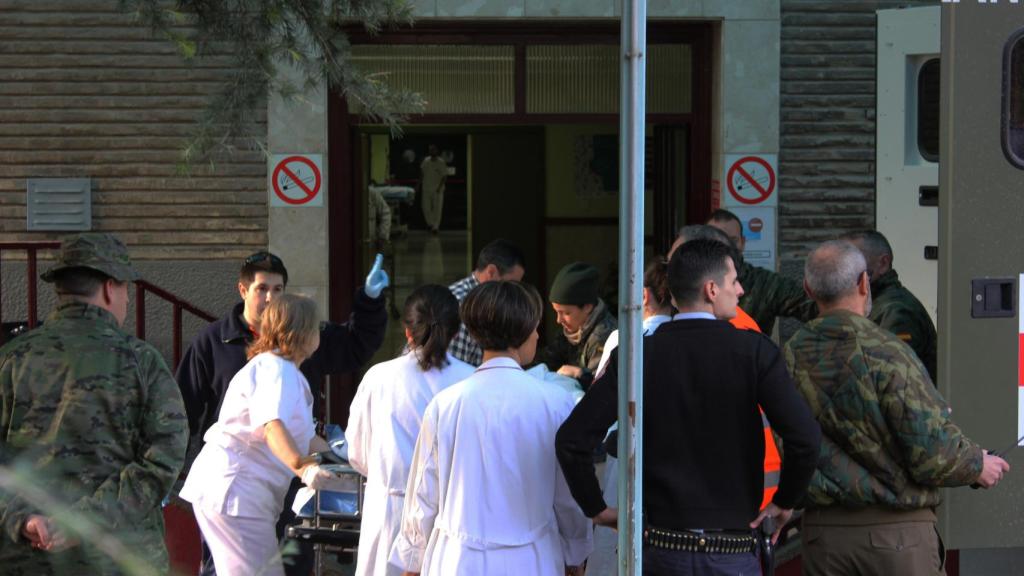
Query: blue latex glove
377,279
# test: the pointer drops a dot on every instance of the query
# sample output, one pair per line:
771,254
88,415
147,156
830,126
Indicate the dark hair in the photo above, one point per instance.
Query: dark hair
261,261
79,281
502,315
431,314
656,280
723,215
706,232
693,264
874,243
503,254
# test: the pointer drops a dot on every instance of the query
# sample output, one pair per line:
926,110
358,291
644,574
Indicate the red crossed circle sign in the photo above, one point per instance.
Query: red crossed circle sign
285,179
751,173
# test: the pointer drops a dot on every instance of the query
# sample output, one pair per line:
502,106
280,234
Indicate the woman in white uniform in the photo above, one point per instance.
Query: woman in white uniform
385,418
486,496
262,438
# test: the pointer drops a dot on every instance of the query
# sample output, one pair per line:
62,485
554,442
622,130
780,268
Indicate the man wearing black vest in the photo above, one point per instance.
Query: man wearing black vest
703,436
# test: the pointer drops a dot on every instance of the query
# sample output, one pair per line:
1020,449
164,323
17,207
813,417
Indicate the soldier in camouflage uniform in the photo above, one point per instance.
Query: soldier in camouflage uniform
586,323
768,294
888,442
894,307
94,419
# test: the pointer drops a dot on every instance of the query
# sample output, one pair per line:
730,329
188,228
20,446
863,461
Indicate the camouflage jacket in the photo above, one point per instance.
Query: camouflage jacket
900,312
586,354
767,295
887,436
92,417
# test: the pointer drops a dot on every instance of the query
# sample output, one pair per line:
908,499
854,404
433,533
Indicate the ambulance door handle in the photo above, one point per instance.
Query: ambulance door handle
993,297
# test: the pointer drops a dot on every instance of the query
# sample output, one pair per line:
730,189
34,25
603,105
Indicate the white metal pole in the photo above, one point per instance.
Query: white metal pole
632,117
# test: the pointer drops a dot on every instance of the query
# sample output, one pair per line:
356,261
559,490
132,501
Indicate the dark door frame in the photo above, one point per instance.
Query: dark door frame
344,175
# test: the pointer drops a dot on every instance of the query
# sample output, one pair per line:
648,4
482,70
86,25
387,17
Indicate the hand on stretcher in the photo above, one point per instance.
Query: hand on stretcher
318,477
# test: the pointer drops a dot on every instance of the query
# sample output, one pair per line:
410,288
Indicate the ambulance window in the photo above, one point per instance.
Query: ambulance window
928,110
1013,100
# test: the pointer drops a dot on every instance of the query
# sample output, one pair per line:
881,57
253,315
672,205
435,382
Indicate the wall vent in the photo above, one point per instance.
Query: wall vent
59,204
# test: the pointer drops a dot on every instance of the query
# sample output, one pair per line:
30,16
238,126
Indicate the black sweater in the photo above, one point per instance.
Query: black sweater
703,440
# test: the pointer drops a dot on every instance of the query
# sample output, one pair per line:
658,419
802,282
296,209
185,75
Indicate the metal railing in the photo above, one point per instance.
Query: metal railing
178,305
32,275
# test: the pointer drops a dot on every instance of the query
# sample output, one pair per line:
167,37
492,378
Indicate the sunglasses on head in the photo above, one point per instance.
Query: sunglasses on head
261,256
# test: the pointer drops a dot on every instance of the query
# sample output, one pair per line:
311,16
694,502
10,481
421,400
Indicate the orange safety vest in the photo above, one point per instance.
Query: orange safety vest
772,460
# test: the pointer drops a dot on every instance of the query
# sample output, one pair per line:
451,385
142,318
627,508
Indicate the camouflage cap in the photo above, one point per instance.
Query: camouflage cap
101,252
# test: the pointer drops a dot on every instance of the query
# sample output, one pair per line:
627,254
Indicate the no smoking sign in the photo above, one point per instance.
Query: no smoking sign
296,180
750,180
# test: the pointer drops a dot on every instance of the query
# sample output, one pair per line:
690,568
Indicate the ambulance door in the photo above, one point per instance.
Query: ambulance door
907,142
981,204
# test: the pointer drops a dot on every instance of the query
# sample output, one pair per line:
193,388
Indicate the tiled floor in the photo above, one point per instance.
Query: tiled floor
415,259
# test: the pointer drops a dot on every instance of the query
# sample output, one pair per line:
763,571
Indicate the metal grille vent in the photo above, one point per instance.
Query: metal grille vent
59,204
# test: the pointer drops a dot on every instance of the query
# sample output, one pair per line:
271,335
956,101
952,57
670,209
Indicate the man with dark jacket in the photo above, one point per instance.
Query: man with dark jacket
219,352
703,434
888,442
767,294
893,306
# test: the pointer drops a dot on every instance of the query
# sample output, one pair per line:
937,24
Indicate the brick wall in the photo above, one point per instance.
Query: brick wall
86,91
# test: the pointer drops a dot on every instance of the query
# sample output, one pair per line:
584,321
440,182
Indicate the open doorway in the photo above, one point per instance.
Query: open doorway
526,97
494,188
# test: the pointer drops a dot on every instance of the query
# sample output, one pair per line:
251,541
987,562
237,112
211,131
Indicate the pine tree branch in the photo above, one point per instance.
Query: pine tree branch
264,37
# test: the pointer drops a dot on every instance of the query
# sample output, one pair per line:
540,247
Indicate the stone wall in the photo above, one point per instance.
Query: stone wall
827,152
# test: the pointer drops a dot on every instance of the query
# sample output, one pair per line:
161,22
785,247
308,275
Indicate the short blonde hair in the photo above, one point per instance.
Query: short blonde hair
287,325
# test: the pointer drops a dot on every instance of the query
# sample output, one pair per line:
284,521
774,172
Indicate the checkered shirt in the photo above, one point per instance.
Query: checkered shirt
463,346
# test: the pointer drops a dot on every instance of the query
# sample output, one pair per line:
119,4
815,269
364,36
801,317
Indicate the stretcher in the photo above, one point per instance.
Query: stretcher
330,519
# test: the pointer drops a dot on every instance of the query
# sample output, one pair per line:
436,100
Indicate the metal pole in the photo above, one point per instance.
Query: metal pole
33,289
632,115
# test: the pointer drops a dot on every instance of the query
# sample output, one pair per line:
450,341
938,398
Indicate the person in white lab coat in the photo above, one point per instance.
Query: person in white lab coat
261,440
385,418
485,495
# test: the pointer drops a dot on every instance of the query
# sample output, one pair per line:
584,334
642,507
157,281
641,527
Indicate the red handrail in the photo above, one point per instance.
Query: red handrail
33,279
141,287
178,305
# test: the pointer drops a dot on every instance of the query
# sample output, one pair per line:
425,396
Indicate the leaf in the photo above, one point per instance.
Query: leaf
188,48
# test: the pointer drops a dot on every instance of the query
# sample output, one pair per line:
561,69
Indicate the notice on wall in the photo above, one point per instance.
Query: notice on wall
296,180
761,232
750,180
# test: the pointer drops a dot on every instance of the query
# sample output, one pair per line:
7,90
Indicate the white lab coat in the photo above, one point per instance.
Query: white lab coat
383,424
486,496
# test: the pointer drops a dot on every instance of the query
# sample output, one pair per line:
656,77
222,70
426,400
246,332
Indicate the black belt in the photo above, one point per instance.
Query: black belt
714,543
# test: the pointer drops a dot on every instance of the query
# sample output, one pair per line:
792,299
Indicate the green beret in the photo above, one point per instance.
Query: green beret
97,251
576,284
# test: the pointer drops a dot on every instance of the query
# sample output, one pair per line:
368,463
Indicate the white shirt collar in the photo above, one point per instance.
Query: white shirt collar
694,316
500,362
